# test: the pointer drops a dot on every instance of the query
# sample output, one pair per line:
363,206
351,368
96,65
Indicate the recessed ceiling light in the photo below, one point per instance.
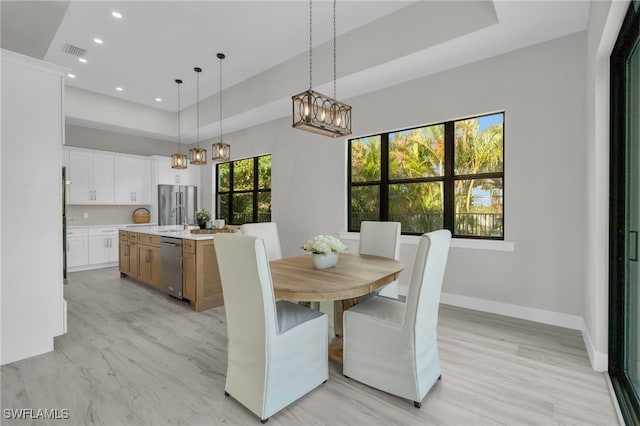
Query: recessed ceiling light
71,75
158,99
116,14
119,89
98,41
83,60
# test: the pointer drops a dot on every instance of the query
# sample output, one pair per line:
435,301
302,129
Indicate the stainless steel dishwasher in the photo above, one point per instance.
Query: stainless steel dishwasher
171,249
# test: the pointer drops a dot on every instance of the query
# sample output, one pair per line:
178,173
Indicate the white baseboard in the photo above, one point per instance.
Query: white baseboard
90,267
64,316
598,360
573,322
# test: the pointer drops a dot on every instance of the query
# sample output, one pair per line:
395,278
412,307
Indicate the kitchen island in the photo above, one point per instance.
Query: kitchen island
140,257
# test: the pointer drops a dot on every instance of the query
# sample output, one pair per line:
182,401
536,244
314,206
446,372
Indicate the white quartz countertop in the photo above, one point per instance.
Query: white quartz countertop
117,225
175,231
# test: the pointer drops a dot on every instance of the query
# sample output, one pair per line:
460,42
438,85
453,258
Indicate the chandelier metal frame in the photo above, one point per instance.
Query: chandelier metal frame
315,112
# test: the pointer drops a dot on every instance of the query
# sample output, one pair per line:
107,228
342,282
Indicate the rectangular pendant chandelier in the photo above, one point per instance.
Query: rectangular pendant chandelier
317,113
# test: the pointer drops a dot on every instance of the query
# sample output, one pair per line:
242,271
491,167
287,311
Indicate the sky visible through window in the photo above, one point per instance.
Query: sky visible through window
482,197
489,120
485,121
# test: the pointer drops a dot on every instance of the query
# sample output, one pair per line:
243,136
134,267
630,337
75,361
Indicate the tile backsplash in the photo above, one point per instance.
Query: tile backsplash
100,215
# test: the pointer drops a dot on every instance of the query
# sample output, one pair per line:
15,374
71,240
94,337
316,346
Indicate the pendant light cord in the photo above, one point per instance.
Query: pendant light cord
334,49
221,57
310,45
198,107
179,82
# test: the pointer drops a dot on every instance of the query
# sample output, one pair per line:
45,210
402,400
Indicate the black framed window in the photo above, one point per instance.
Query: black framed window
445,175
244,190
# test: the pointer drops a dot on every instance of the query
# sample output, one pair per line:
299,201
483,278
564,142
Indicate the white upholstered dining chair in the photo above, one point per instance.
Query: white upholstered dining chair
381,239
268,231
277,352
392,345
377,239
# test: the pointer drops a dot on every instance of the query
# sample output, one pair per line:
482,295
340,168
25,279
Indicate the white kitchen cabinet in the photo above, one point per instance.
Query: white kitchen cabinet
77,248
91,177
169,176
103,245
132,180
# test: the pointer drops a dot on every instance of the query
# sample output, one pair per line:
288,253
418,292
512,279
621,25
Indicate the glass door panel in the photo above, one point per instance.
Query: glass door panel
624,211
632,225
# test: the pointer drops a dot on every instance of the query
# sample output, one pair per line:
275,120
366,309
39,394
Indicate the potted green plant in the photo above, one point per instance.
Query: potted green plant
203,216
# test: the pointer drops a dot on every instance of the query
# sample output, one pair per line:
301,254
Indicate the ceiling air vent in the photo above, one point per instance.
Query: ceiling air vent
73,50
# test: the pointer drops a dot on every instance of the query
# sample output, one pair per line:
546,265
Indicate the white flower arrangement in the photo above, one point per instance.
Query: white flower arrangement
322,244
203,215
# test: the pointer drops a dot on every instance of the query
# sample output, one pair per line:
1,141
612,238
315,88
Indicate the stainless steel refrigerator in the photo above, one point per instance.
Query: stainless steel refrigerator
177,204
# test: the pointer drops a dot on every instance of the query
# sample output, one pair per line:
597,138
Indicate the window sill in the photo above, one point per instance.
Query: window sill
464,243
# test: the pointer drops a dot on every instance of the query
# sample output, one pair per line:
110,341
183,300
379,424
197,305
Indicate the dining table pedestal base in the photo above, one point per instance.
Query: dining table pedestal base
355,275
335,350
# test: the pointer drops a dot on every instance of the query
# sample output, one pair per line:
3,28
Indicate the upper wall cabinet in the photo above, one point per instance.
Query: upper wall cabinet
91,177
99,177
132,180
169,176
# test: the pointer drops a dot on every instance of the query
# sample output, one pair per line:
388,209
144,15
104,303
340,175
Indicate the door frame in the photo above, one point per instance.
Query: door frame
628,399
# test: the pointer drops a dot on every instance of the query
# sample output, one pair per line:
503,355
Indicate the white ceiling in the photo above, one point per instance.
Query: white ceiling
380,43
158,41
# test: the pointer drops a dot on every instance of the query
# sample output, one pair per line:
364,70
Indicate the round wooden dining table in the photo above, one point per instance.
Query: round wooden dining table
295,278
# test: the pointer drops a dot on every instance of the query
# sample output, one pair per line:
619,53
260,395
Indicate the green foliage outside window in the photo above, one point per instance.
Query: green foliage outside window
411,182
244,190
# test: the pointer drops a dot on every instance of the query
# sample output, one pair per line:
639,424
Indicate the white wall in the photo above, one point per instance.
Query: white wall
31,296
105,140
541,90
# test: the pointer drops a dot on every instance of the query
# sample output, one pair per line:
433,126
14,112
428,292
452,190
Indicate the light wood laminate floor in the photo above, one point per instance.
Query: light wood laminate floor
135,356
